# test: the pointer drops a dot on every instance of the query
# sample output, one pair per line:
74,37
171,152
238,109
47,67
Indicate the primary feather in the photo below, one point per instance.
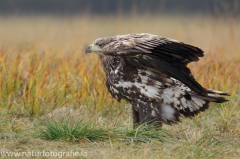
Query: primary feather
150,72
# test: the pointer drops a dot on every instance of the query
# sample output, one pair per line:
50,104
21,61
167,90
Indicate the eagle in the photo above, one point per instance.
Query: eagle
151,73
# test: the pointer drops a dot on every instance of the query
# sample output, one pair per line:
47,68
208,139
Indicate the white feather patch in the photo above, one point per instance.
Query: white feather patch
167,112
116,71
198,101
149,91
190,106
153,113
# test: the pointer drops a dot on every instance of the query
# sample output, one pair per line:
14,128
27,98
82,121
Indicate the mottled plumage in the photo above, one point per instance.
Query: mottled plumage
150,72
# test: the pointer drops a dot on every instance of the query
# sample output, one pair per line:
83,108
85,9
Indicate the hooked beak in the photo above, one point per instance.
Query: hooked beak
92,48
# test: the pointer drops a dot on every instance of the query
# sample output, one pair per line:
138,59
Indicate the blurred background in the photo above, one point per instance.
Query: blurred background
69,25
69,7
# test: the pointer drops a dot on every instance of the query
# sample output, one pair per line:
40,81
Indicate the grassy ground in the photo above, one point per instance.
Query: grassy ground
53,96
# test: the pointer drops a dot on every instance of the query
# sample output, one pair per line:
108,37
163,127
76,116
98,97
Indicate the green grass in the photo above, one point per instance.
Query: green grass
53,96
76,131
67,130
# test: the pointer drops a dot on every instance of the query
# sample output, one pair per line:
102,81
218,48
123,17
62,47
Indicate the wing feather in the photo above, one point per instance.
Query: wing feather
172,51
168,55
169,69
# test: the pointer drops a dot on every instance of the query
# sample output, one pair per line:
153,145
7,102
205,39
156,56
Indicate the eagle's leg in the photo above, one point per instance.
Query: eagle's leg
135,115
145,114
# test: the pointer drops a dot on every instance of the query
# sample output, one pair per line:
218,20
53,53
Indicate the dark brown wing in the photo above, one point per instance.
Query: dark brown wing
180,73
167,55
171,51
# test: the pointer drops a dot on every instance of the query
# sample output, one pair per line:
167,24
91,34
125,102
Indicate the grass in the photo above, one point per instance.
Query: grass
77,131
66,130
53,96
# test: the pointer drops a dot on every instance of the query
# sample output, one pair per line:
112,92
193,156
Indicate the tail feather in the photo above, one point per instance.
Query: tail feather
213,96
211,91
175,103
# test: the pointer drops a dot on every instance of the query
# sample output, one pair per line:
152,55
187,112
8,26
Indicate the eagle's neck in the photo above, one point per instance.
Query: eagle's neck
107,62
110,63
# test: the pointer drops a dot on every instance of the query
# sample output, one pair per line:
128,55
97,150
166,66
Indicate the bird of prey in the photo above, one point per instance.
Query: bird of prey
151,73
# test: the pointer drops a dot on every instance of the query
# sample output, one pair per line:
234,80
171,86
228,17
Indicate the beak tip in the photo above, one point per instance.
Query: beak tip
88,49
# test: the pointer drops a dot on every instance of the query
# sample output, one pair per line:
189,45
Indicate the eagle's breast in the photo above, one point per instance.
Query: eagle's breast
125,81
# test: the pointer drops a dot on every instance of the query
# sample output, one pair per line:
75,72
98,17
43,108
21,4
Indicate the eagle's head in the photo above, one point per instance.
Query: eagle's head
100,45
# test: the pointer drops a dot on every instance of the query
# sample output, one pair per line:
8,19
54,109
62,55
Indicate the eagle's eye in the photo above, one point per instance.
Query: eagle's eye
100,44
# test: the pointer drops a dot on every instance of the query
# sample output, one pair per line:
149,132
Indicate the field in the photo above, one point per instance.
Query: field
53,96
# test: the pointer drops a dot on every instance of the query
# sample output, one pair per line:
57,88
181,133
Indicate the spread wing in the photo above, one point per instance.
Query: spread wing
157,53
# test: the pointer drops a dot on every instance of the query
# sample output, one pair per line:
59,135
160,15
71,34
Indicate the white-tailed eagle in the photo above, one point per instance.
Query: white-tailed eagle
151,73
